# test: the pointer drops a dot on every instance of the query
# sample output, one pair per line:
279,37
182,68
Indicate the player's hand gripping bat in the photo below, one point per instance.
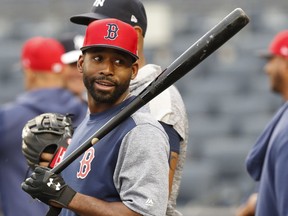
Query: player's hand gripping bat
194,55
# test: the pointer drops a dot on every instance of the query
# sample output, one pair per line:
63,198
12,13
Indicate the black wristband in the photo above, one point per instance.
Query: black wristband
66,196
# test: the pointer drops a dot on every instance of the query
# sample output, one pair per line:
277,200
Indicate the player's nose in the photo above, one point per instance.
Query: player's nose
107,67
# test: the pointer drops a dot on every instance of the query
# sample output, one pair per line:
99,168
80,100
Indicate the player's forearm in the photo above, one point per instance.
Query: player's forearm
172,167
90,206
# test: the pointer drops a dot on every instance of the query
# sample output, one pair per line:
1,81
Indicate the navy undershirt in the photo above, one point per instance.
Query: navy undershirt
174,138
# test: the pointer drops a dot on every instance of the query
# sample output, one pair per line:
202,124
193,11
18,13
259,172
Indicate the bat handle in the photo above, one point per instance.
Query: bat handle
53,211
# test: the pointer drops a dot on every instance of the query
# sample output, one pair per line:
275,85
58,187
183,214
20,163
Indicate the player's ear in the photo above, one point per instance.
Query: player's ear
134,69
80,63
138,30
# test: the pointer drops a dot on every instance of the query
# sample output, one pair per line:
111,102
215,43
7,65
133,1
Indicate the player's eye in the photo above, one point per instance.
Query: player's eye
98,58
119,62
122,62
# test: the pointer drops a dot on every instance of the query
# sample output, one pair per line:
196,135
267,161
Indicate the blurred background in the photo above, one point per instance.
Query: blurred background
227,96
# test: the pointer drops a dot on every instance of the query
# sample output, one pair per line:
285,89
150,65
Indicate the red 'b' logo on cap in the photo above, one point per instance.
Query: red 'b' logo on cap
112,31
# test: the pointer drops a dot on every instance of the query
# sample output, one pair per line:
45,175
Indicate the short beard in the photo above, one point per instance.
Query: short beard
104,97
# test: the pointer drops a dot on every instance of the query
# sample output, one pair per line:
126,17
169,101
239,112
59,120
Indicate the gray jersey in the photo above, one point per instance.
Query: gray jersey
167,107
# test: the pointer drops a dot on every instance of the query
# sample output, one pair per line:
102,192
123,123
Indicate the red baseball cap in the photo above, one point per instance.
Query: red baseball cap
278,46
111,33
42,54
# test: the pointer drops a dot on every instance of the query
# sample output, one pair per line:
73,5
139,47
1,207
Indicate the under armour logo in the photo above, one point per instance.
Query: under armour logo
51,183
98,3
112,31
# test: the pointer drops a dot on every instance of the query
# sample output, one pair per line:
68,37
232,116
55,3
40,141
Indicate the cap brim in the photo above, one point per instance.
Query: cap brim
86,18
71,57
134,57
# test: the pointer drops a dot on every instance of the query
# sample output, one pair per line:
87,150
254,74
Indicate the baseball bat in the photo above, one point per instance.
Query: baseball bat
194,55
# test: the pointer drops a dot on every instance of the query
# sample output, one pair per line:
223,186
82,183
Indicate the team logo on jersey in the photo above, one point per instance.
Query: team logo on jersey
98,3
85,163
112,31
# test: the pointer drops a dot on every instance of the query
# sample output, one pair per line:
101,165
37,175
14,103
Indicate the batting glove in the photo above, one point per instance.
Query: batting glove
48,187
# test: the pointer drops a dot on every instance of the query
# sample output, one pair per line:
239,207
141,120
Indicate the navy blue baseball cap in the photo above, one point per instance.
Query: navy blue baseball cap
129,11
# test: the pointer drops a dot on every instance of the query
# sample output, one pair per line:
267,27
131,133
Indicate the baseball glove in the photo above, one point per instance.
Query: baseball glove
48,132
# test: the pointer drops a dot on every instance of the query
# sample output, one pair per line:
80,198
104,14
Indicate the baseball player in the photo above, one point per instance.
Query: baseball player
168,107
267,161
42,69
125,173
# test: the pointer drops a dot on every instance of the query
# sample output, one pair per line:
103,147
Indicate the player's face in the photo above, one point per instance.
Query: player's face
276,69
107,74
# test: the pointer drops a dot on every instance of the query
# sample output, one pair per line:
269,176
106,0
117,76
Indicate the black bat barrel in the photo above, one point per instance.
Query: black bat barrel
196,53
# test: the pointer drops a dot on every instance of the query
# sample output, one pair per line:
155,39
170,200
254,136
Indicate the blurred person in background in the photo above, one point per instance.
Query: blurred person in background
267,161
72,77
168,107
44,92
73,81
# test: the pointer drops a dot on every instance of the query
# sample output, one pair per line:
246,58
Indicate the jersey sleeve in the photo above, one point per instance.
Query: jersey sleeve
141,174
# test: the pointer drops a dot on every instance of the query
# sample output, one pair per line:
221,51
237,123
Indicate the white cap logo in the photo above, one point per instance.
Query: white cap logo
134,19
284,51
98,3
56,68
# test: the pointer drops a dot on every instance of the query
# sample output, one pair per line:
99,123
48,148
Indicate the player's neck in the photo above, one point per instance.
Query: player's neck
97,107
141,60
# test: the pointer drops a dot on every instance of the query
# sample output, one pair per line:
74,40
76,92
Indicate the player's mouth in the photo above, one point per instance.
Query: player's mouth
104,85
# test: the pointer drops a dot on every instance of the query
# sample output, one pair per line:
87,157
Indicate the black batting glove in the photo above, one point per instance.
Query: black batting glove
48,187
